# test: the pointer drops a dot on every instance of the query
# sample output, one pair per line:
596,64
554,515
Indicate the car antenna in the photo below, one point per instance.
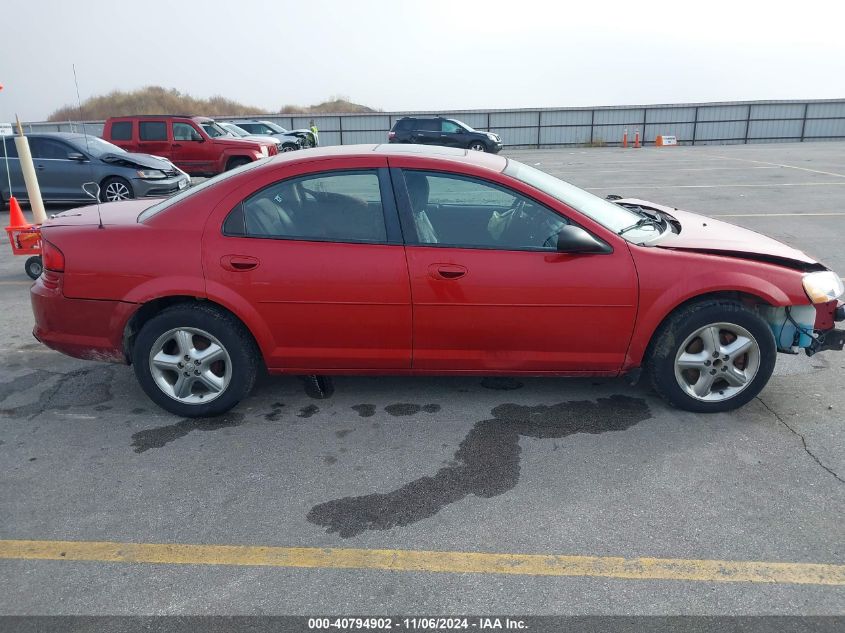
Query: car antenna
88,147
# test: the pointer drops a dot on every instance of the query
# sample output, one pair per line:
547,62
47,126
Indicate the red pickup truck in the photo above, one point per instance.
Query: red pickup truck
195,144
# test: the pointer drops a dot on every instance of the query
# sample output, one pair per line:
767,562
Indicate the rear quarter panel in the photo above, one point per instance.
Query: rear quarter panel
134,263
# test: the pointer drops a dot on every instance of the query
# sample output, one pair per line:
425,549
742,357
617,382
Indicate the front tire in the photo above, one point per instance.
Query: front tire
712,356
478,146
195,360
116,189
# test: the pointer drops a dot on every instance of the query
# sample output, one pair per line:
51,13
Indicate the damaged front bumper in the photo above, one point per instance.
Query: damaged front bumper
808,327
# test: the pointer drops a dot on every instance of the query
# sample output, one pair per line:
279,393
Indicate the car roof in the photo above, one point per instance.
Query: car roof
66,136
493,162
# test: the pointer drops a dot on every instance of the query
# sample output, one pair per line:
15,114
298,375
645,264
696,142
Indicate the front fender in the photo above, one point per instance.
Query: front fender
669,279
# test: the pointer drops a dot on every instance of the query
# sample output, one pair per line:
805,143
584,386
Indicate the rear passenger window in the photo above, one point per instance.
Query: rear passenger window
49,148
152,130
121,131
336,206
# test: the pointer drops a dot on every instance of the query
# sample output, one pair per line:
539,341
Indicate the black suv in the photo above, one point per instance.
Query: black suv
440,131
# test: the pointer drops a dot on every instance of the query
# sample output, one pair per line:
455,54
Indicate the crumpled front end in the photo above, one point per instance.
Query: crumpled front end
811,327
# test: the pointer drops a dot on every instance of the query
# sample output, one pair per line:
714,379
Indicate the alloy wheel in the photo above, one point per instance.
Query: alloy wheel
717,362
190,365
116,191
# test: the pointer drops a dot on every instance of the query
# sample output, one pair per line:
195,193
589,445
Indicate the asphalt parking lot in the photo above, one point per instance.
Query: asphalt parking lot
377,499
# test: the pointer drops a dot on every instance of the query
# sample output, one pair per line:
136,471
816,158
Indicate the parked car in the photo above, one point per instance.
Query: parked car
195,144
440,131
287,143
416,261
268,128
65,161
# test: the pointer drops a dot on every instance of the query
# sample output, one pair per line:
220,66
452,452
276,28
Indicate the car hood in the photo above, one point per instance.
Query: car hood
143,161
112,213
270,140
705,235
238,142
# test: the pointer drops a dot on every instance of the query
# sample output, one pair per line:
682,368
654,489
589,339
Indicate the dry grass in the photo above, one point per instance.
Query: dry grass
151,100
158,100
334,104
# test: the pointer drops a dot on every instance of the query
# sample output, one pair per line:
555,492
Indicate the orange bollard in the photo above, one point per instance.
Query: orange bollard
637,138
625,138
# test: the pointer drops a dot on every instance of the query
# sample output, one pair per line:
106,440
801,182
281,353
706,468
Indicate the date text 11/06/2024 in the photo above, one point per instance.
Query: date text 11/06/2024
423,623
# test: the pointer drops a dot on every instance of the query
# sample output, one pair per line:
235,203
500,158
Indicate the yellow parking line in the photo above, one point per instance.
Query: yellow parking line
427,561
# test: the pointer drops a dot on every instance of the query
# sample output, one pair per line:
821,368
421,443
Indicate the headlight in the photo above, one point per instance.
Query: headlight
823,286
264,151
151,174
491,136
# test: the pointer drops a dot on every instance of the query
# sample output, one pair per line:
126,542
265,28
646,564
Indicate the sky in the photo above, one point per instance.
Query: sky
431,55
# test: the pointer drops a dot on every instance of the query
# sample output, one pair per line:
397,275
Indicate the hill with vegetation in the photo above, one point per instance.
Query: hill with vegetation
158,100
335,105
151,100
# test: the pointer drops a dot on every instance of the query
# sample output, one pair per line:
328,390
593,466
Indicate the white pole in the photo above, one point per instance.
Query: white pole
29,177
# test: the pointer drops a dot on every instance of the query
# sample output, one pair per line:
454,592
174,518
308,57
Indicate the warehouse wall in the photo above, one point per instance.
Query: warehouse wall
692,123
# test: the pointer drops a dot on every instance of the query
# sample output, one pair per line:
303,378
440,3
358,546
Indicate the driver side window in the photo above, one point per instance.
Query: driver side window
185,132
458,211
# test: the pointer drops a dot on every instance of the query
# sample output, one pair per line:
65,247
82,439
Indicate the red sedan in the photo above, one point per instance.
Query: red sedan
412,260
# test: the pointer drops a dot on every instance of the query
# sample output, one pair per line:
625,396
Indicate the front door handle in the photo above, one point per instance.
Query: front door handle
447,271
40,167
239,263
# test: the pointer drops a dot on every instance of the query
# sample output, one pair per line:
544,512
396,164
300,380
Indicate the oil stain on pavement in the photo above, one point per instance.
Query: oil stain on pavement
486,463
83,387
405,408
162,435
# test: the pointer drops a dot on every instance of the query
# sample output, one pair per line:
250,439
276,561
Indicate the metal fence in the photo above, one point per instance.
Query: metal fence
691,123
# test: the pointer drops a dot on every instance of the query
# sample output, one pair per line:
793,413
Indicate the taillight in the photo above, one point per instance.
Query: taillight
52,257
391,135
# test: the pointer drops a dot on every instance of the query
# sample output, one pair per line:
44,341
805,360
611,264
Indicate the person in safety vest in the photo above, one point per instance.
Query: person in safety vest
315,132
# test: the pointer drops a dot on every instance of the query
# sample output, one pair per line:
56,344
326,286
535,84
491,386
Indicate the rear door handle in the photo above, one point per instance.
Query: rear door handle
239,263
447,271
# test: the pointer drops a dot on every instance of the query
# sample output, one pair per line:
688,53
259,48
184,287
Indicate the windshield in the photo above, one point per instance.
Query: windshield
185,193
213,130
95,146
606,213
277,129
234,129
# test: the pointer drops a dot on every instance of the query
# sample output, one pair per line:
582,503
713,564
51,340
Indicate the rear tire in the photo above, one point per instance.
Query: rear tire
34,267
712,356
115,189
234,163
195,360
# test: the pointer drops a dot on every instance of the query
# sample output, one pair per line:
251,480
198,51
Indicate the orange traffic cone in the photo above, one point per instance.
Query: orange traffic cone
16,216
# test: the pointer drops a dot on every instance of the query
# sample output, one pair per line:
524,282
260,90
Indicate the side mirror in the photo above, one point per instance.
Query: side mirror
199,139
574,239
76,156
